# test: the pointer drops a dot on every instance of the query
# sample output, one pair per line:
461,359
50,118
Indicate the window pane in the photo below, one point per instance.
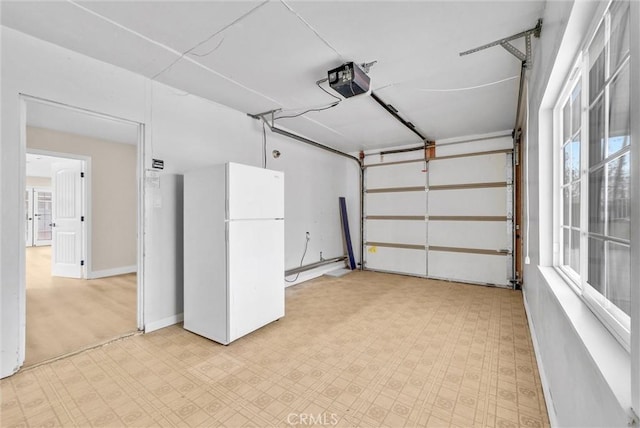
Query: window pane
566,164
596,133
618,197
596,65
619,113
596,201
566,202
575,204
618,276
575,158
566,246
575,109
619,43
575,250
566,122
596,264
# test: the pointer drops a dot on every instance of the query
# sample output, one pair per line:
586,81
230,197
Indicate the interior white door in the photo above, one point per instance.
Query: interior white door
42,219
66,247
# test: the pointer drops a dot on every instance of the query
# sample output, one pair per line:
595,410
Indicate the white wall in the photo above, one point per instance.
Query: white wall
189,133
38,182
183,130
585,371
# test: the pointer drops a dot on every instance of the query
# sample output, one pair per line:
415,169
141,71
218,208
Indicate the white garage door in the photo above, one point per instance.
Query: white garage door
449,218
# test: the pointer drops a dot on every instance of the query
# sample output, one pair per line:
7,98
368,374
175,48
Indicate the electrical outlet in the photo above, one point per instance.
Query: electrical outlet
308,235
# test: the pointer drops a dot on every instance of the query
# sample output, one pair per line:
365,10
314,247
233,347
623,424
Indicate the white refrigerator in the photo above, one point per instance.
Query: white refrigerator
233,250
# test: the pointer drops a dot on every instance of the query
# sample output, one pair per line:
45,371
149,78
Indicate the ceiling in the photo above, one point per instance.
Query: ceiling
255,56
41,165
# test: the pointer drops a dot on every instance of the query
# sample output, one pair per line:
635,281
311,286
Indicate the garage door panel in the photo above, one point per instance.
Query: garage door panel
401,175
465,170
400,260
397,231
396,203
490,235
497,143
467,267
468,202
466,207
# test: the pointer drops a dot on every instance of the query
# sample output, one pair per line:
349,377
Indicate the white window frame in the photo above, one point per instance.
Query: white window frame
615,320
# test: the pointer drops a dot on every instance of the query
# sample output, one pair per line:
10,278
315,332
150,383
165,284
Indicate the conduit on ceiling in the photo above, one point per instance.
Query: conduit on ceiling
394,112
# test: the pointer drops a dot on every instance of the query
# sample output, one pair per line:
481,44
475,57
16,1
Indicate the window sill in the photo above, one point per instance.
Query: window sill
611,358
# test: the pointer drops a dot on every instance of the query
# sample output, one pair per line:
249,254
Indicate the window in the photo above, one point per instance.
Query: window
593,148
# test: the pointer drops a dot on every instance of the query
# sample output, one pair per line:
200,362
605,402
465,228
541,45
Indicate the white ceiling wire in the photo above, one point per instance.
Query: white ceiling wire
231,24
468,88
465,88
310,27
183,55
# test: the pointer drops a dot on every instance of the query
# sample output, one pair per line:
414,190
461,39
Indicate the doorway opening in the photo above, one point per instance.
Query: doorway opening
83,208
38,208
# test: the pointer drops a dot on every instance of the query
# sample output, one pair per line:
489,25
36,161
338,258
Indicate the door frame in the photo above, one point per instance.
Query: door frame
86,201
23,99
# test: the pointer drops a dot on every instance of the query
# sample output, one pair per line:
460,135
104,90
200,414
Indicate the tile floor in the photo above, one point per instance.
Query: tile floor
367,349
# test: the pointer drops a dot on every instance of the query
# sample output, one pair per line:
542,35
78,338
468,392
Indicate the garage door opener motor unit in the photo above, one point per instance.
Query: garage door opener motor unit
348,80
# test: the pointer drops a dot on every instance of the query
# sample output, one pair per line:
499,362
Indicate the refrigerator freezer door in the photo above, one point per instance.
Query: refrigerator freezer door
254,193
255,273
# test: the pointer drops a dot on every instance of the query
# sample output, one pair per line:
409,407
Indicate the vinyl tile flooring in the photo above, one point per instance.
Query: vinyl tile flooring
364,350
65,315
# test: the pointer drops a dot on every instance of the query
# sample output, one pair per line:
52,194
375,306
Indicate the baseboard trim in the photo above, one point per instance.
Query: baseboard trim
314,273
165,322
112,272
553,418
